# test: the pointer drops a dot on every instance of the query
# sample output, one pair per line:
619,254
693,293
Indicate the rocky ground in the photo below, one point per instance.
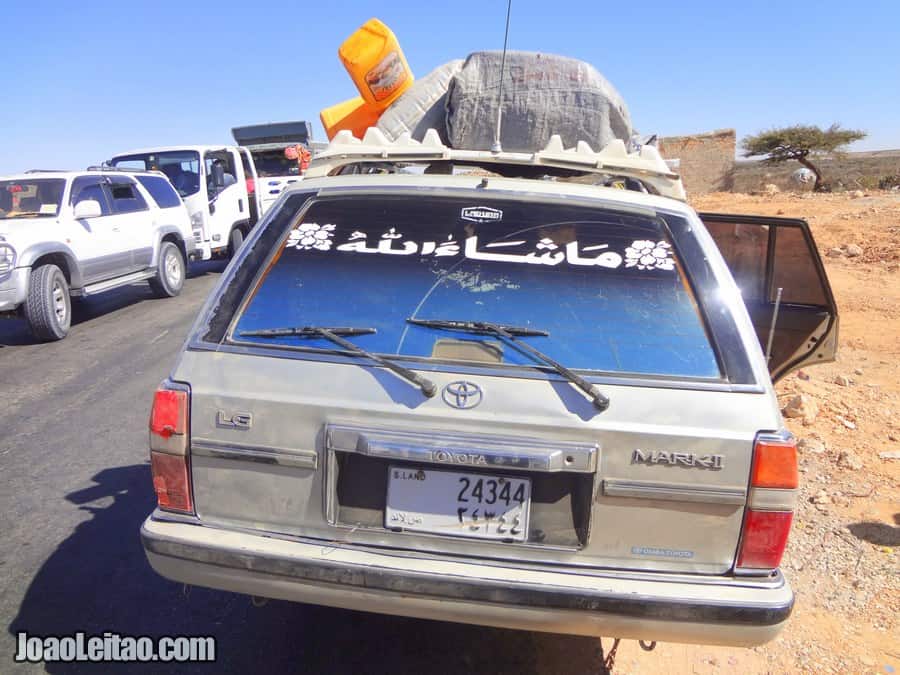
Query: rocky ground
843,557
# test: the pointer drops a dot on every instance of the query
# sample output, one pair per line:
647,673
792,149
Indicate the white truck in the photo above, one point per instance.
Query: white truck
217,184
226,188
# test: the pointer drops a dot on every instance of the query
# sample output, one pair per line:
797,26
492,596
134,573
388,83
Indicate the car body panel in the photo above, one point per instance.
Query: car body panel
227,491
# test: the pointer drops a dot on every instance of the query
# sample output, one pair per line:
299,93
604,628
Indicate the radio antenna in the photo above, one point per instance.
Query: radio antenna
497,147
772,327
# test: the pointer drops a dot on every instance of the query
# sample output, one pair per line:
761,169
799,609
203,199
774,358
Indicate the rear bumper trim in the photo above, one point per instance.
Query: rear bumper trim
262,454
614,487
318,563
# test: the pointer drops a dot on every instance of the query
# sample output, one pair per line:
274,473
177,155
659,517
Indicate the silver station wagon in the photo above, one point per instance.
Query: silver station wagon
493,388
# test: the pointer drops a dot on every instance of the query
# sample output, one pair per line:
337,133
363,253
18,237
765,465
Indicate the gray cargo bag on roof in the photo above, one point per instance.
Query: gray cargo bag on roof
422,106
543,94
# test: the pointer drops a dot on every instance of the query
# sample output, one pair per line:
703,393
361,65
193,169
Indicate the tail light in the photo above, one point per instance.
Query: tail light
775,463
169,448
770,507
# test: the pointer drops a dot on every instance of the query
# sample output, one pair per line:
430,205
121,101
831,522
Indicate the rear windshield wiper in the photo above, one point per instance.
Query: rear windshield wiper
334,333
509,333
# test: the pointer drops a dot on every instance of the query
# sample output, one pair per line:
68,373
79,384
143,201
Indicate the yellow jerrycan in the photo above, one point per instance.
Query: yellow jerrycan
354,115
373,57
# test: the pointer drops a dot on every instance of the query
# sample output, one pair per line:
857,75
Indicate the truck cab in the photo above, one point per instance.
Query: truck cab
217,184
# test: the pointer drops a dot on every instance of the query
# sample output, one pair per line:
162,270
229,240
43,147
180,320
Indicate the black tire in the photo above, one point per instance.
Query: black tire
48,307
170,271
235,239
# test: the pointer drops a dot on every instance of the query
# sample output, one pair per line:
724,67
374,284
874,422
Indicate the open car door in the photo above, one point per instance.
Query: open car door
782,280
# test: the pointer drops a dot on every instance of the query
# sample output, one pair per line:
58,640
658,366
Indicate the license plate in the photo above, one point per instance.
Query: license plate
458,504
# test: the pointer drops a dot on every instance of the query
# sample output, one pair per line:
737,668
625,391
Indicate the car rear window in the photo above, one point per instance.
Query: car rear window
161,191
607,286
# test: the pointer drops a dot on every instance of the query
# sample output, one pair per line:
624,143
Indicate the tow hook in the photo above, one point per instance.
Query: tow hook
608,662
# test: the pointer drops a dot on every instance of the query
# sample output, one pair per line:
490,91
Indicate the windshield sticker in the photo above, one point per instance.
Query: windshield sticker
642,254
310,235
650,255
48,209
481,214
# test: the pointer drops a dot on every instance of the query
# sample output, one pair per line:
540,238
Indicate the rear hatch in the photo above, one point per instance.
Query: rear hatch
295,434
275,172
271,186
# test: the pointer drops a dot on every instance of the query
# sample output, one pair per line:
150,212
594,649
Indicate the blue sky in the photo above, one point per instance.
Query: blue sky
85,80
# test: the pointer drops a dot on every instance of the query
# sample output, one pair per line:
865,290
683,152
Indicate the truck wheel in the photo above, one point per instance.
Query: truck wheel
170,272
235,239
48,308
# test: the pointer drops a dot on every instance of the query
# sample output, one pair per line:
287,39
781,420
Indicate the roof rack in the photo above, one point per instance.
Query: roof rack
48,171
107,167
645,165
262,147
116,169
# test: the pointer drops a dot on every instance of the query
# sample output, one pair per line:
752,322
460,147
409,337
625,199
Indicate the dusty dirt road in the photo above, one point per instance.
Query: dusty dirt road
843,557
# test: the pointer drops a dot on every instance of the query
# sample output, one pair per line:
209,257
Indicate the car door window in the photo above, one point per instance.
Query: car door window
776,266
226,161
90,188
794,271
125,196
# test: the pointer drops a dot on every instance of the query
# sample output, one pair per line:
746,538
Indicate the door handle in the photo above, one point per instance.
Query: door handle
115,229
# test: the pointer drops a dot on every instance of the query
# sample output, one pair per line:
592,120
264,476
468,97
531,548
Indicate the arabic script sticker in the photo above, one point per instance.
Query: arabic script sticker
642,254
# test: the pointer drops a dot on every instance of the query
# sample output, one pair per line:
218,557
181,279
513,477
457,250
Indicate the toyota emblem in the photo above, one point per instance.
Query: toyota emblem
462,394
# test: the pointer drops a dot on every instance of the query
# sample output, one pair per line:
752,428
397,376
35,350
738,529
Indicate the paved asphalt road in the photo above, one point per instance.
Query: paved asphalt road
75,486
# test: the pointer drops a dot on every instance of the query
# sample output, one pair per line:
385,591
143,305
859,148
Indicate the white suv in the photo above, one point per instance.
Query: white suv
79,233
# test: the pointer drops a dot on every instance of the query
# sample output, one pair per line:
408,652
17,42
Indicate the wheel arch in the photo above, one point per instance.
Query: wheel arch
242,225
173,234
57,254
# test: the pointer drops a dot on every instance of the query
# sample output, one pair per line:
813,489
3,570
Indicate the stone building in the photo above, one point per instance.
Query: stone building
706,161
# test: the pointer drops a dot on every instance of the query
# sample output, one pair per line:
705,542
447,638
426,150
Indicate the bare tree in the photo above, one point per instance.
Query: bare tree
800,142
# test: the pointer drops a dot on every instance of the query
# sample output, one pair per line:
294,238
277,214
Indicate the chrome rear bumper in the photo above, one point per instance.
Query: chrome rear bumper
671,608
